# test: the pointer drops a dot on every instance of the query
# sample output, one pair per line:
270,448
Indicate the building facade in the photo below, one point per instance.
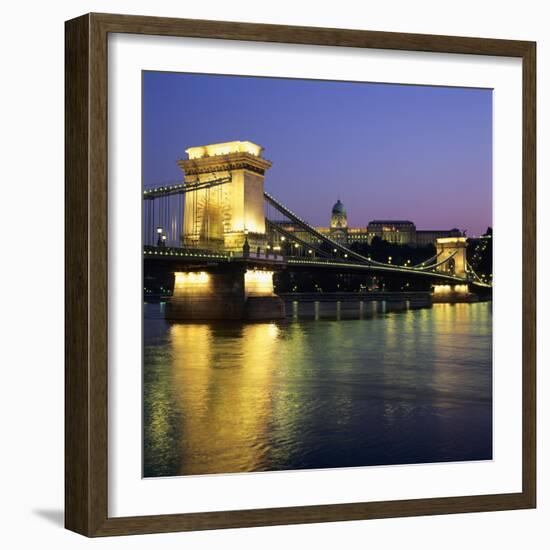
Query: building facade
393,231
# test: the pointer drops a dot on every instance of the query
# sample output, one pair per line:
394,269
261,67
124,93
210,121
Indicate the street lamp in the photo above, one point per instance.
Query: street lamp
159,236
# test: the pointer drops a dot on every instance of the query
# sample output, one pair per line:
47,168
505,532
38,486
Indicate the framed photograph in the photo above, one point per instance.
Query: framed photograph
300,281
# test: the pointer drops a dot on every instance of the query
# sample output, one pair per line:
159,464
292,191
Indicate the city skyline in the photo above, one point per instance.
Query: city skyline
386,151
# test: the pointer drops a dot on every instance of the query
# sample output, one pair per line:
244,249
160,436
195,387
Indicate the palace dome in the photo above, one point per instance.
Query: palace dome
338,208
339,218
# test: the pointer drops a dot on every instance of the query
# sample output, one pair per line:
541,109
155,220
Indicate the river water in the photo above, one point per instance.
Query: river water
393,388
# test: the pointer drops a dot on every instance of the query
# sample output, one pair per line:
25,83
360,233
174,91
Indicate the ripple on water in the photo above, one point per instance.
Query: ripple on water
392,389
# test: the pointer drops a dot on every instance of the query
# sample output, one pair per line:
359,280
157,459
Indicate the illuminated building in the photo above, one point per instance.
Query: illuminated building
392,231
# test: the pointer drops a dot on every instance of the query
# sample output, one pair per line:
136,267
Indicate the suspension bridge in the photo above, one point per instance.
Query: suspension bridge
223,237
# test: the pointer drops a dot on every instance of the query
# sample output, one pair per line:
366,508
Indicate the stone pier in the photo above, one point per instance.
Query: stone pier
453,294
235,294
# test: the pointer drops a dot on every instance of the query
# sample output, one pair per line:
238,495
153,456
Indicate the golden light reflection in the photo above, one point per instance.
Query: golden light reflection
222,379
452,344
233,397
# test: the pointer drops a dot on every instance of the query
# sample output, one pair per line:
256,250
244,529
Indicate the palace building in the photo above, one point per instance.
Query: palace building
392,231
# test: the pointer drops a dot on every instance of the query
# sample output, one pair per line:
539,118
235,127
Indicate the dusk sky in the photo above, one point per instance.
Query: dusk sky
387,151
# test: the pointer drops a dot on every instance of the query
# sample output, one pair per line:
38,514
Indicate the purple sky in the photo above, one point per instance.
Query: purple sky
387,151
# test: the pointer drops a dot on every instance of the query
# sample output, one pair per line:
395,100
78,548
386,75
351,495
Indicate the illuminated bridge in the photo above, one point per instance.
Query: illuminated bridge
224,237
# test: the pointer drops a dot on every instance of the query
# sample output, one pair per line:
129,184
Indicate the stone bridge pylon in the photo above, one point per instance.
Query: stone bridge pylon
453,248
222,216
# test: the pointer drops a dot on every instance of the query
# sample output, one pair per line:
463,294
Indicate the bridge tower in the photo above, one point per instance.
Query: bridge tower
455,249
220,217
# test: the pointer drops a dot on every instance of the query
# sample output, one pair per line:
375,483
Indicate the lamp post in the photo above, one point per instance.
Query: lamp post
159,236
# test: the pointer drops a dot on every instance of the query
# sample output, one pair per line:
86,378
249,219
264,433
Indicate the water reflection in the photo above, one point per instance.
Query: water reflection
392,388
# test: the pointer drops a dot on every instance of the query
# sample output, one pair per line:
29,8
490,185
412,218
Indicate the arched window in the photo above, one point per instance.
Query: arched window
451,266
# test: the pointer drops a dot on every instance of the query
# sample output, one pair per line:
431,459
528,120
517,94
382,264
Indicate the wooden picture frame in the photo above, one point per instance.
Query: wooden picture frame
86,363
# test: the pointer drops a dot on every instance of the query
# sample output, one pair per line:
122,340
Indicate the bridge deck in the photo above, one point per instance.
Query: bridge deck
193,256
